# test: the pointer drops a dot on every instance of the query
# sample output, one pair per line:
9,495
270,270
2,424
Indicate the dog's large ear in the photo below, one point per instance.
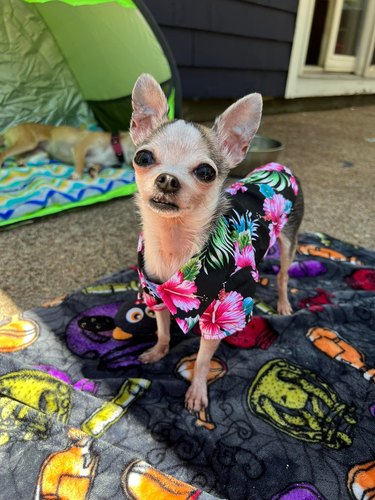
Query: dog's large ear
150,108
237,126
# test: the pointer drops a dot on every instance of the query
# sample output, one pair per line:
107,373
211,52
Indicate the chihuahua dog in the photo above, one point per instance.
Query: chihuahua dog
201,242
69,145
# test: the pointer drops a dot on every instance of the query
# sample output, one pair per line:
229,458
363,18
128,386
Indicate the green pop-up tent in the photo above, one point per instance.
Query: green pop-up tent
60,55
74,62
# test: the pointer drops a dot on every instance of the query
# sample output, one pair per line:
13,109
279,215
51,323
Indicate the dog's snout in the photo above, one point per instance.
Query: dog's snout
167,183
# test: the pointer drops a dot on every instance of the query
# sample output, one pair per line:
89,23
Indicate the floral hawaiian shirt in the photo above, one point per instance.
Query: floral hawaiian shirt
215,288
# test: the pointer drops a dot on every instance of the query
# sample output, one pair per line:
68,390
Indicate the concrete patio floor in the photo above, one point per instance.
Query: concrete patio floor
328,150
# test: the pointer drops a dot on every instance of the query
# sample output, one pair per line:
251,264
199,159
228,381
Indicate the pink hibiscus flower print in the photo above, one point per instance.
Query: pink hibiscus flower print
145,283
274,209
245,258
286,169
235,187
178,293
187,324
294,184
142,279
270,167
182,324
223,316
152,303
140,243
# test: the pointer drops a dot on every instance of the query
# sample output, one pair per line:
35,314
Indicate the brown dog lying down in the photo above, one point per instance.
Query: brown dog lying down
69,145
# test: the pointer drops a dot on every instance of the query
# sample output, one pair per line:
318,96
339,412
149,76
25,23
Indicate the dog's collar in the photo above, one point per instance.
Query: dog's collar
116,146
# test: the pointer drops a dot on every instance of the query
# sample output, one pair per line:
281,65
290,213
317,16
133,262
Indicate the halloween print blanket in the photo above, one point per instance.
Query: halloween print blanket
292,399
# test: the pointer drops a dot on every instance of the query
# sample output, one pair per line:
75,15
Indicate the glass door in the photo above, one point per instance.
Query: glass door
333,49
370,63
343,41
339,32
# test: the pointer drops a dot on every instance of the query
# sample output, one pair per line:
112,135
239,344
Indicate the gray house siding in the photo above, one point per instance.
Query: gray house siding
227,48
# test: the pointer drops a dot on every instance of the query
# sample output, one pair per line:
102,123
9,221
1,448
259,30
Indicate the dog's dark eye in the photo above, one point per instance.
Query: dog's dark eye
205,172
144,158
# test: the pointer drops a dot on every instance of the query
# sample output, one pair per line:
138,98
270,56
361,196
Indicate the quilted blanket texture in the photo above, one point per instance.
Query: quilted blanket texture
34,191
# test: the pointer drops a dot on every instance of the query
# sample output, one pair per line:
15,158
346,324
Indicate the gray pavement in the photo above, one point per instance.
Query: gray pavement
330,151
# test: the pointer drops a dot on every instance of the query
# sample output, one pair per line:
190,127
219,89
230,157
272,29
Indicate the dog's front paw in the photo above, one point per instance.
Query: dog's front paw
94,171
284,308
196,397
154,354
75,176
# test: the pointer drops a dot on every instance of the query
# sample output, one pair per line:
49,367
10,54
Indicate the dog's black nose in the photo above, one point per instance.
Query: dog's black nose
167,183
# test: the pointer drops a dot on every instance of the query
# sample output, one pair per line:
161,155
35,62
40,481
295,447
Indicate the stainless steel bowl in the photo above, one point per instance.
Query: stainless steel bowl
262,150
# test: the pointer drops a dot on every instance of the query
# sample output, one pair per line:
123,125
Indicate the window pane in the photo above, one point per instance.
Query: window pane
316,35
350,27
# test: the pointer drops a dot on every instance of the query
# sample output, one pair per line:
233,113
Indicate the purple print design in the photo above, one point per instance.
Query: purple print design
299,491
84,384
113,334
304,269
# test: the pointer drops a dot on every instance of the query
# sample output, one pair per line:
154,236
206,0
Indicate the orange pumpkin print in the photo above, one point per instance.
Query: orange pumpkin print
140,481
326,253
17,333
361,481
69,473
330,342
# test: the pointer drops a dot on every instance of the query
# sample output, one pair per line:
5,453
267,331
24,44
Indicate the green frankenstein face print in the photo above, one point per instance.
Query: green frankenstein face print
298,402
27,400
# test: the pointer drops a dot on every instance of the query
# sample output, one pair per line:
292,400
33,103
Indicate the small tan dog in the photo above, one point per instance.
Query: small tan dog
69,145
201,243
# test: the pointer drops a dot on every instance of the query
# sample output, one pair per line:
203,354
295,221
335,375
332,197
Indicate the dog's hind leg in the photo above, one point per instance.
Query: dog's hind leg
288,245
79,154
18,148
80,151
18,140
287,252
